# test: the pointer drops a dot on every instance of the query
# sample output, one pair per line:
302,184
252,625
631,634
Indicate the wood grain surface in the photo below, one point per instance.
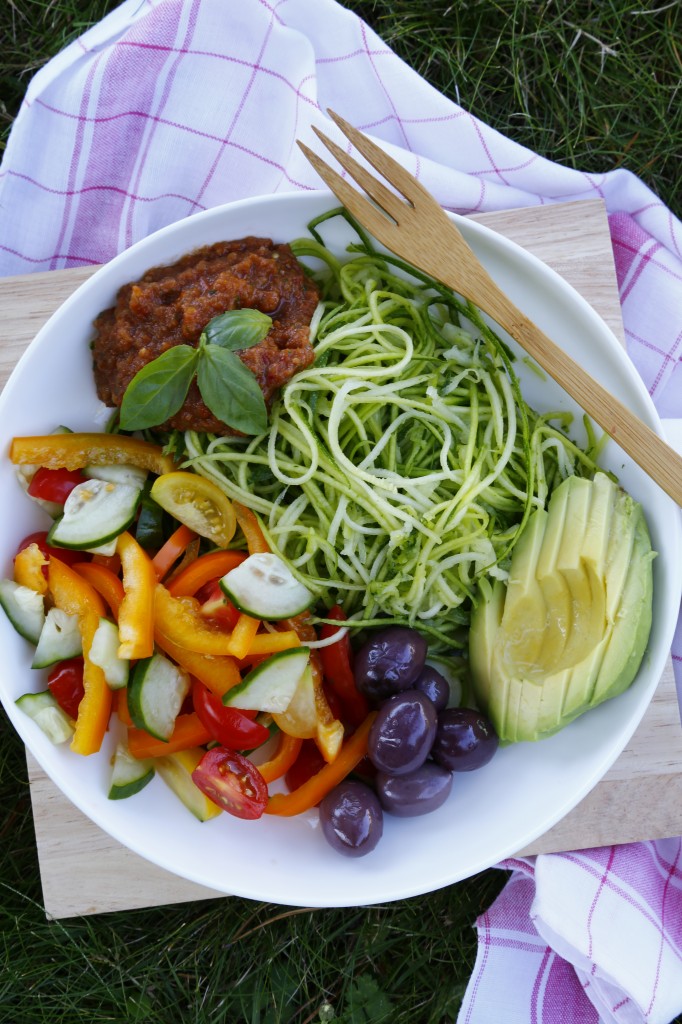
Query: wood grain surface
639,798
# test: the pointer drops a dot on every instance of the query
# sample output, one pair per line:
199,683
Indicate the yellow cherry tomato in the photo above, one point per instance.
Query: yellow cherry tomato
198,503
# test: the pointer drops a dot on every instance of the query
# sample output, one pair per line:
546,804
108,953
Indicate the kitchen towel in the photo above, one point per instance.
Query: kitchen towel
168,107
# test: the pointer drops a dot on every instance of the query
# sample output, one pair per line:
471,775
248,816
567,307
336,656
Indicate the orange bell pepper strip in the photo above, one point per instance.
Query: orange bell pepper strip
266,643
104,582
188,732
203,570
250,527
120,706
243,635
167,555
136,611
74,451
74,595
180,619
288,749
218,673
28,569
311,792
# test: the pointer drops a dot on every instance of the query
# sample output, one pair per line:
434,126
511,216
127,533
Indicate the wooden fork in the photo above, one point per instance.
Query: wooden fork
418,230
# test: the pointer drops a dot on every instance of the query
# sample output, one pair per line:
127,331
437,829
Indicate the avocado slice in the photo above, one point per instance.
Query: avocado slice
571,626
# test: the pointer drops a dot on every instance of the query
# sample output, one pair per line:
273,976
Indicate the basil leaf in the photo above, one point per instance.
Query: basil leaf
238,328
231,391
157,391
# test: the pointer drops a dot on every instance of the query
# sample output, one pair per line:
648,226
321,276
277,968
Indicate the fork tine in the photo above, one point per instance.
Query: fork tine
367,214
376,190
401,179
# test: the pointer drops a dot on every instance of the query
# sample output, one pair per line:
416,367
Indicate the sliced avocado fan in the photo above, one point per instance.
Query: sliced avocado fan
570,627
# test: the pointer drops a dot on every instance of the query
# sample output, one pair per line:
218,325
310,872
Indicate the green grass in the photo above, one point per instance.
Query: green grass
593,85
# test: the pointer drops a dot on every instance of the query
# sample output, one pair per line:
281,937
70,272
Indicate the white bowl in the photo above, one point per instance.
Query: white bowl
491,813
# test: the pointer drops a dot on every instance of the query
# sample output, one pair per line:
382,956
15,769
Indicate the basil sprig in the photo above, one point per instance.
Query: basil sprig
228,388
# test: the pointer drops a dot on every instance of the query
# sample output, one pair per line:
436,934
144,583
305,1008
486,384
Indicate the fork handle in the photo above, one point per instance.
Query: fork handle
642,444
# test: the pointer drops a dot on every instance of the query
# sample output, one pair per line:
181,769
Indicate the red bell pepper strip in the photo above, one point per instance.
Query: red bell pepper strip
167,555
136,612
337,666
311,792
75,596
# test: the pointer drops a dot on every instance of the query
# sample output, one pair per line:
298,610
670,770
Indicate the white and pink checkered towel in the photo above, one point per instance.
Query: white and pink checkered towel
171,106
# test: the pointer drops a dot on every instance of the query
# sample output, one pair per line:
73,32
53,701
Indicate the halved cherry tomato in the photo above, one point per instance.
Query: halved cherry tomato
65,683
233,728
214,605
232,782
54,484
308,763
40,538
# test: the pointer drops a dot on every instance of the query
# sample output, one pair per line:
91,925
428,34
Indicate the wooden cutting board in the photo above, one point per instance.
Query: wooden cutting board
639,798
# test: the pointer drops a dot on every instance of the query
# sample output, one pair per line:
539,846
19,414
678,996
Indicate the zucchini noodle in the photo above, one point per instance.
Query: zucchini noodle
398,469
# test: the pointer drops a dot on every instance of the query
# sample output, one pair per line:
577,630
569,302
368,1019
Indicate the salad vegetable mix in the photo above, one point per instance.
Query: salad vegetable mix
277,619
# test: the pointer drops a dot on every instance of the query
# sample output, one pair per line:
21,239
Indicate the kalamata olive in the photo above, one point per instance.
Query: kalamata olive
465,740
402,732
418,792
351,818
389,662
436,687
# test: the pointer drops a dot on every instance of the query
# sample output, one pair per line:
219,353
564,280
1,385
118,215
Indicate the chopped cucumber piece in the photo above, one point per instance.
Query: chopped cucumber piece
129,775
176,771
263,586
104,653
124,473
271,685
95,512
25,609
60,639
155,695
48,715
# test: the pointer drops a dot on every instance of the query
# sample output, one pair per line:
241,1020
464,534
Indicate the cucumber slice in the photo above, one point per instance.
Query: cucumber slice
155,695
129,775
25,609
48,715
60,639
176,771
270,685
95,512
104,653
263,586
124,473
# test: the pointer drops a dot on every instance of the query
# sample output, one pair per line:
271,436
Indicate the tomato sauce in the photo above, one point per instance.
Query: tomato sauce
171,305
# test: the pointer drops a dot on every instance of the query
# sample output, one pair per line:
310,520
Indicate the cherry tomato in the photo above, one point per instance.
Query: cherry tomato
54,484
65,683
64,554
233,728
214,605
232,782
308,763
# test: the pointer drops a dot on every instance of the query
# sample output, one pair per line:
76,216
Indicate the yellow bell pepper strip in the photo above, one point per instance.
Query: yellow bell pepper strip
74,595
243,635
203,570
103,580
250,527
180,619
218,673
28,569
311,792
188,732
288,749
167,555
136,612
264,644
74,451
